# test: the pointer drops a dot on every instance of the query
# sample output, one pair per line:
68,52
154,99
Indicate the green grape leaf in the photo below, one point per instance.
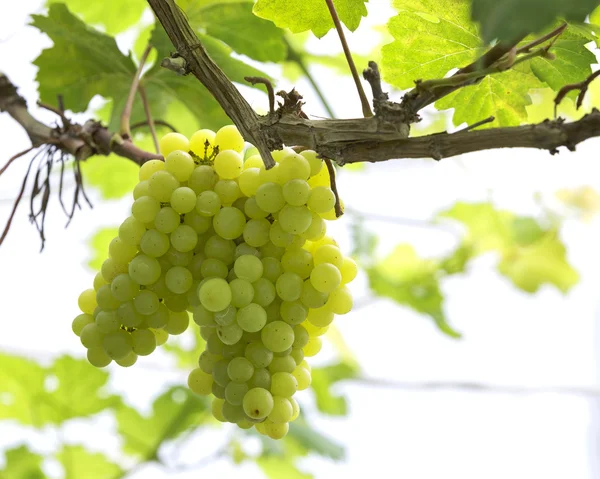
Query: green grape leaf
322,381
78,462
82,63
113,175
173,412
508,19
99,246
114,16
235,24
430,39
278,467
457,261
313,441
299,16
411,281
21,463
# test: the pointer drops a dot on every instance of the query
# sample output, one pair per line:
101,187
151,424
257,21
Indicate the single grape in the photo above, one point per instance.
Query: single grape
248,267
253,160
128,316
178,322
226,317
340,301
228,164
228,191
220,248
110,269
316,164
269,197
289,286
183,200
149,168
242,292
200,382
264,292
107,321
87,301
173,141
295,409
146,302
240,369
258,403
144,209
215,294
271,268
143,342
217,409
298,260
180,164
282,364
313,347
162,184
252,210
296,192
202,142
325,277
282,410
230,334
320,317
252,317
294,166
277,336
161,336
279,236
80,322
311,298
99,279
208,203
178,279
118,344
154,243
256,232
235,392
349,270
144,269
260,379
167,219
303,377
258,354
328,254
159,318
275,430
229,138
229,222
203,178
293,312
249,180
283,384
97,357
207,361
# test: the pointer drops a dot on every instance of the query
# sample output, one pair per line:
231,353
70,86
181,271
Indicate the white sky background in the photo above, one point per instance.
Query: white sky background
510,338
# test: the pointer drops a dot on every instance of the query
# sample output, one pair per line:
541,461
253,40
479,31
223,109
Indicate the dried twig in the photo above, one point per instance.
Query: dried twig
13,158
489,119
140,124
582,86
338,206
269,86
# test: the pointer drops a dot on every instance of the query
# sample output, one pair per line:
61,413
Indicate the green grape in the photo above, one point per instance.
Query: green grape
264,292
141,189
128,316
233,413
297,352
273,310
226,317
154,243
203,178
253,161
218,390
258,354
231,351
325,277
228,164
183,200
220,248
298,242
178,279
340,301
110,269
105,298
203,317
217,409
149,168
249,181
200,382
285,352
80,322
303,377
316,164
207,331
278,236
293,312
260,379
161,336
201,224
320,179
178,322
289,286
277,336
310,297
271,176
160,287
146,302
229,138
349,270
230,334
99,279
256,232
271,250
207,361
269,197
159,318
97,357
214,268
143,342
220,374
214,345
161,185
231,275
245,248
320,317
208,203
313,347
180,164
144,209
252,317
258,403
87,301
248,267
178,258
294,166
296,192
166,220
282,364
118,344
201,143
228,191
253,211
240,369
322,199
299,261
317,228
107,321
144,270
229,222
271,268
283,384
184,238
329,254
235,392
215,294
176,302
195,265
242,292
91,336
295,409
173,141
282,410
276,431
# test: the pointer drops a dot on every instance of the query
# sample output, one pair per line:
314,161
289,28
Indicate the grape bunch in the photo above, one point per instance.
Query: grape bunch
242,248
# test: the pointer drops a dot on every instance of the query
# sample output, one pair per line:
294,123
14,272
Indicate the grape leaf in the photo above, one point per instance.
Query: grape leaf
21,463
114,15
82,63
302,15
173,412
99,246
78,462
313,441
277,467
506,20
235,24
322,381
113,175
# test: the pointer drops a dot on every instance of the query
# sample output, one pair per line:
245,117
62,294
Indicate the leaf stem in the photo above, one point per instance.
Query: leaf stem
149,118
338,206
126,114
538,41
366,108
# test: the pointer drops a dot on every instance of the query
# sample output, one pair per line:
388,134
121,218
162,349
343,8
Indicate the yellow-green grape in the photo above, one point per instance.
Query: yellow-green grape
278,236
143,342
184,238
97,357
214,268
128,360
171,142
141,189
248,267
249,181
279,155
285,364
123,288
258,354
325,277
159,319
230,334
226,317
202,142
167,220
269,197
228,164
314,331
144,269
320,317
118,344
294,219
208,203
258,403
253,161
284,385
298,260
313,347
316,164
276,431
161,336
340,301
144,209
217,409
260,379
162,184
128,316
296,192
91,336
301,337
271,268
149,168
240,369
229,138
282,410
203,178
235,392
294,166
180,164
303,377
110,269
146,302
242,292
316,229
252,318
229,222
131,231
99,280
87,301
321,200
320,179
293,312
277,336
331,215
200,382
80,322
256,232
349,270
310,297
289,286
228,191
220,248
154,243
105,299
295,409
178,322
183,200
253,211
329,254
215,294
264,292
